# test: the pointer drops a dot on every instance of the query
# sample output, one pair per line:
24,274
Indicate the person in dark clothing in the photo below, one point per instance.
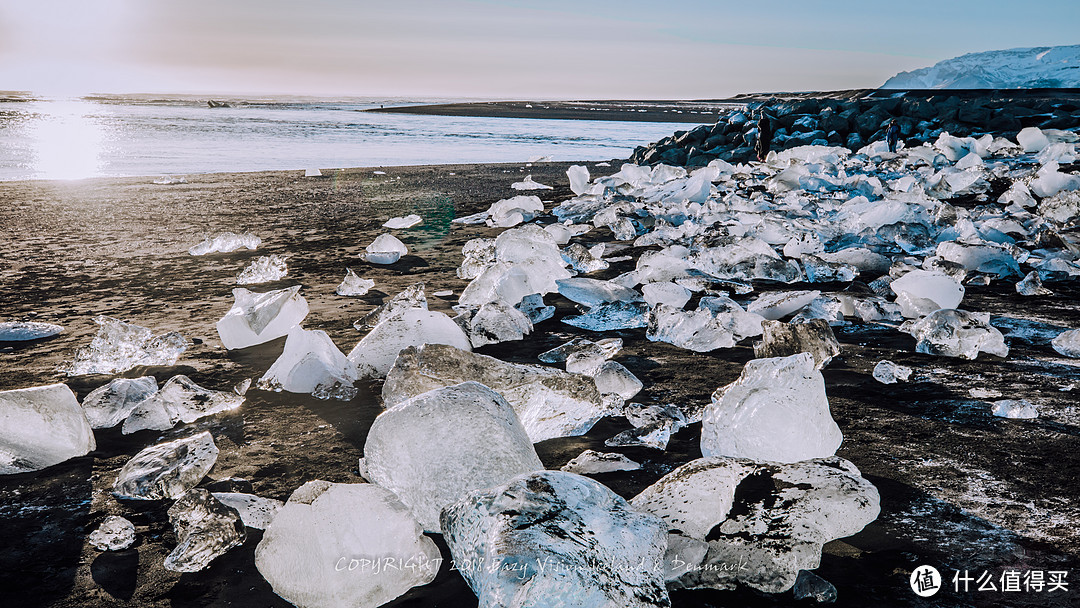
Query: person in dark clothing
892,135
764,137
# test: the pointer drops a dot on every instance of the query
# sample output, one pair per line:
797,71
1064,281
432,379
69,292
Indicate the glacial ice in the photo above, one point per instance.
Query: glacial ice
353,285
257,318
593,292
205,529
529,184
1032,139
608,346
110,404
776,411
374,355
579,179
410,298
1067,343
612,377
226,242
783,339
887,372
41,426
114,534
180,400
591,462
255,511
1031,285
311,363
534,309
611,316
263,269
510,212
385,249
313,172
120,346
921,292
401,223
956,333
21,331
533,250
167,470
561,539
1014,408
775,305
336,544
704,329
481,443
811,586
672,294
582,260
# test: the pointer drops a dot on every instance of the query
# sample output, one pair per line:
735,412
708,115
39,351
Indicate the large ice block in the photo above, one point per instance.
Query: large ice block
257,318
374,355
311,363
41,426
167,470
956,333
921,292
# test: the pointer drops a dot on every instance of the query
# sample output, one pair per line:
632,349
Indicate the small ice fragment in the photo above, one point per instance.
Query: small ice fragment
983,393
533,307
445,293
168,180
225,243
1067,343
180,400
385,249
384,173
591,462
1031,285
263,269
167,470
412,297
109,405
559,354
353,285
312,173
778,304
921,292
529,184
120,346
205,529
612,316
400,223
242,387
311,363
114,534
812,586
887,372
956,333
655,435
21,331
1014,408
255,511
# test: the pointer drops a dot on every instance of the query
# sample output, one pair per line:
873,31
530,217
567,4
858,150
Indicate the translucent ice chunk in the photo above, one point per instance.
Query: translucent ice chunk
820,271
608,346
612,316
494,322
534,309
666,293
168,469
263,270
534,250
120,346
20,331
591,462
783,339
592,292
109,405
114,534
312,173
225,243
353,285
312,364
410,298
655,436
1014,408
374,355
257,318
180,400
956,333
778,304
1031,285
1067,343
579,178
205,529
529,184
1032,139
583,260
921,292
811,586
385,249
887,372
613,377
1062,208
401,223
40,427
255,511
1049,181
513,211
502,282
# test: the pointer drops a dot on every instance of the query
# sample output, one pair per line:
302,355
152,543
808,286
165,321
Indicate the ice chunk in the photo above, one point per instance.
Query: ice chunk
529,184
982,257
1049,181
655,436
501,282
494,322
598,550
887,372
643,415
374,355
700,330
312,173
956,333
921,292
776,411
226,242
109,405
778,304
592,292
1014,408
385,249
180,400
353,285
40,427
1062,208
671,294
811,586
745,260
311,363
255,511
205,529
114,534
401,223
120,346
613,377
611,316
1067,343
167,180
579,179
21,331
534,249
513,211
168,469
335,545
591,462
1032,139
609,347
257,318
481,443
263,269
1031,285
443,293
471,220
820,271
983,393
534,309
783,339
410,298
582,259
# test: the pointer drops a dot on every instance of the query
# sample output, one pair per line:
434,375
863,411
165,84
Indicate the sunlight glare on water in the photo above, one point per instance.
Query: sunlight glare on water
67,141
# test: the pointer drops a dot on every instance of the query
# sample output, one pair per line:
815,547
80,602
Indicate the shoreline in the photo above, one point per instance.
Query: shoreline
674,111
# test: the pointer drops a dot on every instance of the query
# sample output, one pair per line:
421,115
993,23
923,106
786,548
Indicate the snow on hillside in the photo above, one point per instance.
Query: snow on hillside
1025,68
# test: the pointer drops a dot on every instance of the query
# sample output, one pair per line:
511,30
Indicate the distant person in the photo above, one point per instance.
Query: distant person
892,135
764,137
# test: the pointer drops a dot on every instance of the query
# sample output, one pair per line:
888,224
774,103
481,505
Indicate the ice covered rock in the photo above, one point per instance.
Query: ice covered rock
494,322
1067,343
109,405
776,411
481,443
887,372
205,529
263,269
120,346
582,260
180,400
811,586
1031,285
775,305
783,339
534,309
921,292
401,223
114,534
770,519
353,285
479,256
226,242
549,402
167,470
311,364
579,178
560,540
1014,408
591,462
41,426
956,333
410,298
374,355
385,249
592,292
611,316
255,511
510,212
529,184
672,294
1032,139
335,544
21,331
257,318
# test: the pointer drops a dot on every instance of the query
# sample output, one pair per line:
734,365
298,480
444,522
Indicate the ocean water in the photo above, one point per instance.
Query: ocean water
142,135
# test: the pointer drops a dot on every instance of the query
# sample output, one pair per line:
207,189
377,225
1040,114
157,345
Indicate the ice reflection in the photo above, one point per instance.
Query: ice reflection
66,140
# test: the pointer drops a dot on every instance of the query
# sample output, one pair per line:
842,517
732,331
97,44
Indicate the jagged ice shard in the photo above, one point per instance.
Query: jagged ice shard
263,269
257,318
40,427
815,336
226,242
353,285
109,405
180,400
255,511
205,529
374,355
120,346
167,470
956,333
311,363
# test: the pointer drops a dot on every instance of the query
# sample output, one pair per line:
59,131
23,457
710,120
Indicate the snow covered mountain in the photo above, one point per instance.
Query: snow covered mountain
1039,67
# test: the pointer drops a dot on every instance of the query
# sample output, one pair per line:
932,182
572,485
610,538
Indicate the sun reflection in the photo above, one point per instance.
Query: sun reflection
67,141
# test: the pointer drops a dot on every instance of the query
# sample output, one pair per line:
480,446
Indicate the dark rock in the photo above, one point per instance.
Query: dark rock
1003,121
973,113
854,141
805,124
674,156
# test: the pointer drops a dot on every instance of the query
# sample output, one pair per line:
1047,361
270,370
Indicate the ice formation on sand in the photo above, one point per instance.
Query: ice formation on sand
783,339
109,405
385,249
887,372
205,529
481,443
40,427
167,470
114,534
353,285
412,297
323,549
257,318
374,355
921,292
529,184
180,400
599,551
255,511
226,242
120,346
21,331
494,322
263,269
956,333
510,212
718,322
1014,408
778,304
401,223
776,411
1067,343
773,518
311,363
549,402
591,462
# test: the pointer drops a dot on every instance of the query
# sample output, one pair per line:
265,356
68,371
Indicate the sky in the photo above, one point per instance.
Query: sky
569,49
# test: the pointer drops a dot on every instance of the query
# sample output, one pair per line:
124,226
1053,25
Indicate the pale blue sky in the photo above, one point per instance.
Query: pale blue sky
509,49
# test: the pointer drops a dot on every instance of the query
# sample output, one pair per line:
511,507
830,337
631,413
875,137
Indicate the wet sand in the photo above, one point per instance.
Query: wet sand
960,489
703,111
